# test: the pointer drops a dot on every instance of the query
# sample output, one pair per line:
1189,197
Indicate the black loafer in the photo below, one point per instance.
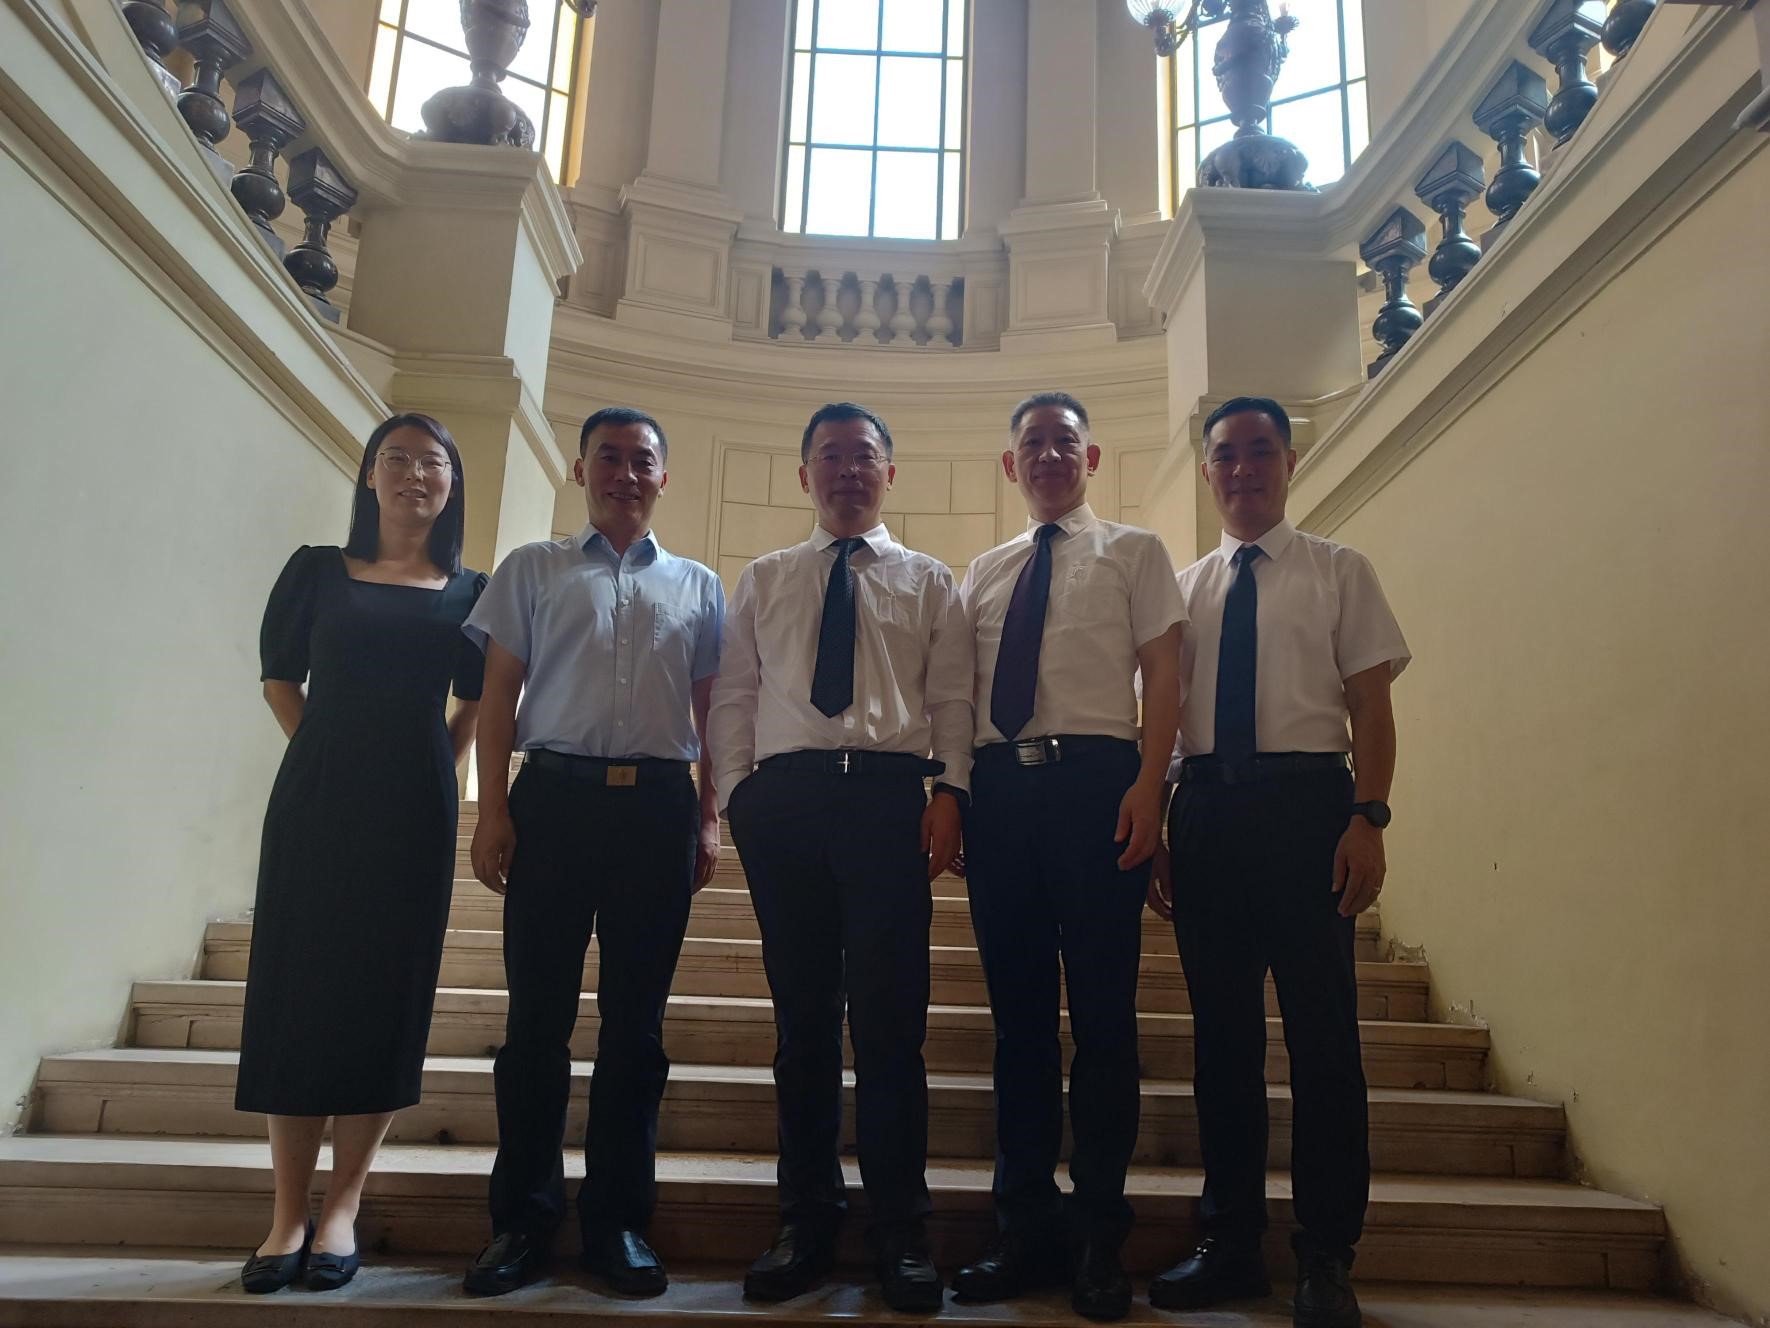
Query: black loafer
794,1264
327,1271
1101,1290
1011,1266
513,1259
1216,1271
1324,1292
263,1273
908,1278
626,1263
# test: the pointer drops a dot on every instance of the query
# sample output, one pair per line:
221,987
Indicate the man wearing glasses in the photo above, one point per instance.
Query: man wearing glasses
846,662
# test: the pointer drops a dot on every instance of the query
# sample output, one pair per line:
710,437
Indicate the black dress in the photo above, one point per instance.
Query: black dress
359,840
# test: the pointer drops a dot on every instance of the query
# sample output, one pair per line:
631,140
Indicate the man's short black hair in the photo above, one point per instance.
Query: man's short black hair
1037,399
623,415
1250,406
843,410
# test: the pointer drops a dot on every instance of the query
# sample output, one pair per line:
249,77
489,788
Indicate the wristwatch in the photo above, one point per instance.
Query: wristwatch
959,795
1377,813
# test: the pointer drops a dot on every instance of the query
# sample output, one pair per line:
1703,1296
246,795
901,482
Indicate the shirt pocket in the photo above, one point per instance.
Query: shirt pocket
1090,595
672,639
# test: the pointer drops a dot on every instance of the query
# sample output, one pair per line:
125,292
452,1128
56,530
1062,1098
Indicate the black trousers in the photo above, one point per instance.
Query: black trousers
840,885
1253,890
1046,889
619,862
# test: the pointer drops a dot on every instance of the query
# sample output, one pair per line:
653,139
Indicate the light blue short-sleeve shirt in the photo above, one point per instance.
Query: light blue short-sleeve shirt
611,644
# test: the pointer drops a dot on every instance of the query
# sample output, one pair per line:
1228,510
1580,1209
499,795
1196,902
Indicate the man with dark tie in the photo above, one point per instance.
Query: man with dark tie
846,663
1275,849
612,645
1066,810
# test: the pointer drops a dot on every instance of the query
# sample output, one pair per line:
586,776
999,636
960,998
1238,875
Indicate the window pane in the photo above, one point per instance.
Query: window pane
439,20
954,130
565,40
381,71
1213,135
909,102
423,70
912,25
955,26
1315,125
559,123
526,95
802,25
1358,114
842,109
793,213
535,58
904,207
853,24
1210,101
1184,87
1355,38
390,12
841,189
796,125
1315,49
1185,160
952,194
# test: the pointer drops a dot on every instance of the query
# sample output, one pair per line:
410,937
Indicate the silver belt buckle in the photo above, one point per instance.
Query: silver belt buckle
1032,751
622,776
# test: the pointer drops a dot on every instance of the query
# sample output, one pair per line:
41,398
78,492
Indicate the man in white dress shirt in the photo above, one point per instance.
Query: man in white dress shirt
1067,788
846,662
1276,848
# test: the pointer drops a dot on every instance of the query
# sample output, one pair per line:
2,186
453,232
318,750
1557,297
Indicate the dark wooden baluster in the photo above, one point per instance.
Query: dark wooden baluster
323,196
1449,185
1515,105
208,31
263,110
1626,20
1566,33
158,35
1393,248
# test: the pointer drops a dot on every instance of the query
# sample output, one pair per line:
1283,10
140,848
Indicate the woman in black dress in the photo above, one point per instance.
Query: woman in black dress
359,840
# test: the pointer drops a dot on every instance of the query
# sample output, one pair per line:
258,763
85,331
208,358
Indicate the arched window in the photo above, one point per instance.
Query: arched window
876,119
1318,104
420,49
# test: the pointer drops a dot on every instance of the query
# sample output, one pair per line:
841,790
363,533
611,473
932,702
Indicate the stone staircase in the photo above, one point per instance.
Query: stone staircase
138,1146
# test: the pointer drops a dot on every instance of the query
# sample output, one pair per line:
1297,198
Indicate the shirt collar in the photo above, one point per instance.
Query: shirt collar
878,539
646,544
1072,522
1273,543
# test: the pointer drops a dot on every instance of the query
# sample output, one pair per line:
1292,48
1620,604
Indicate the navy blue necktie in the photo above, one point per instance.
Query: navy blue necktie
832,678
1235,660
1023,631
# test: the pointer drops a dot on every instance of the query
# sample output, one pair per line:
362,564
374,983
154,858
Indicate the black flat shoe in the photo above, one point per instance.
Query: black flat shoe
1324,1292
1101,1290
263,1273
908,1278
1213,1273
327,1271
626,1263
510,1261
1011,1266
794,1264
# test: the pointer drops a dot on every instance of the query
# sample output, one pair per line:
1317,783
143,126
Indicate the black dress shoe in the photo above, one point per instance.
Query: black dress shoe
328,1272
513,1259
1014,1264
1214,1272
626,1263
264,1273
799,1257
907,1277
1101,1290
1324,1292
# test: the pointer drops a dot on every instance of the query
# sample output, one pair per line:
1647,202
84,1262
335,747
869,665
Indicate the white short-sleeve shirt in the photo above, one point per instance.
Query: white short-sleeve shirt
1321,618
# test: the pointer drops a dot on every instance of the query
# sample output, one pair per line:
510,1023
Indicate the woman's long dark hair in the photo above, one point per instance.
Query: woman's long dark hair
450,530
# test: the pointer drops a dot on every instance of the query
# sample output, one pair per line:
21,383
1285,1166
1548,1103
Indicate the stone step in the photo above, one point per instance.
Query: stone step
719,1108
1389,990
707,1030
113,1190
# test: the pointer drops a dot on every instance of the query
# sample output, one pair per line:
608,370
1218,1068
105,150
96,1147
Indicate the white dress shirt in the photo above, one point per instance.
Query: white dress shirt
1112,591
912,661
1321,618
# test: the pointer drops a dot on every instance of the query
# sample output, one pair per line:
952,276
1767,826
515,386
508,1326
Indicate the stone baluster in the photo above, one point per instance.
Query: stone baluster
903,318
829,314
793,313
323,196
940,323
208,31
1568,30
1515,106
1449,185
1392,249
1627,18
270,121
866,318
158,35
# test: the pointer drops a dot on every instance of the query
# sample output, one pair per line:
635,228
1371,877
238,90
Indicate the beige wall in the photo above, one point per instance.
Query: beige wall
350,26
1400,39
1580,841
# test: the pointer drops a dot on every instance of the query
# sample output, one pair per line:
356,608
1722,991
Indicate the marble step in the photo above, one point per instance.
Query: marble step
68,1287
113,1190
707,1030
1388,990
721,1108
729,874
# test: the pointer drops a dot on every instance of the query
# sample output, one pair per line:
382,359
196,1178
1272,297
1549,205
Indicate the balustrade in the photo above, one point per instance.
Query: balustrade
1391,251
1449,185
1566,33
907,312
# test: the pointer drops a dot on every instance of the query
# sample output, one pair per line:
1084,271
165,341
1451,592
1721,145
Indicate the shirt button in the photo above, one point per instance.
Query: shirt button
620,723
623,680
623,640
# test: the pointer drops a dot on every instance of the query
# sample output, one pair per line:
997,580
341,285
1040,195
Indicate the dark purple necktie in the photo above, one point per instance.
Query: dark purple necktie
1235,660
1023,631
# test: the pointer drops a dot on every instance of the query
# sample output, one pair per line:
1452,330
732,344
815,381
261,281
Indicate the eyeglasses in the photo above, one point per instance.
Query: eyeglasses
844,460
428,467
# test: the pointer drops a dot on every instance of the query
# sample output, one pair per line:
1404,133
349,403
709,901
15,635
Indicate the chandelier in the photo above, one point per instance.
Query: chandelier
1162,18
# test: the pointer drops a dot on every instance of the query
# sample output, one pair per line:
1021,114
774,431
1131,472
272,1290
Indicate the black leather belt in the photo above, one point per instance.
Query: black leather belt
1215,770
853,761
614,772
1048,750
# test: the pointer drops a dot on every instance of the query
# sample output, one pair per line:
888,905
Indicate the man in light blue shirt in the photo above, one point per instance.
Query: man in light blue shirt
612,645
